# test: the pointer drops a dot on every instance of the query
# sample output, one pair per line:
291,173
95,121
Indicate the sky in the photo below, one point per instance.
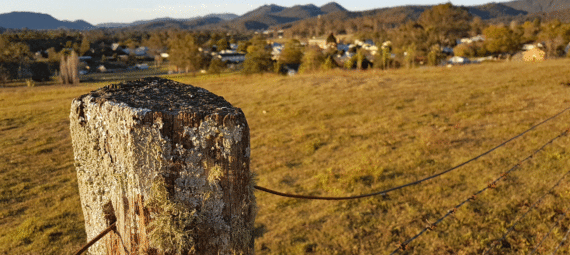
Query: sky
103,11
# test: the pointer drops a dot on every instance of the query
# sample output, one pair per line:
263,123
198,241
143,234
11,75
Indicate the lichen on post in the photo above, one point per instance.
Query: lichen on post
169,162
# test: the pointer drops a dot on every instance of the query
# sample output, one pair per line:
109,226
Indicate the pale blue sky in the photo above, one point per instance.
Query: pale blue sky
100,11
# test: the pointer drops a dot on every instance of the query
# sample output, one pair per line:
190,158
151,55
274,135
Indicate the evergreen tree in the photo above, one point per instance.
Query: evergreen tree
292,52
500,39
85,46
216,66
184,52
328,64
258,57
312,60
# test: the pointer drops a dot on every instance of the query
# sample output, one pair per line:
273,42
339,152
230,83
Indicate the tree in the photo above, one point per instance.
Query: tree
435,55
360,58
410,56
184,52
464,50
382,58
40,71
216,66
69,69
500,39
292,53
223,44
258,57
4,75
85,46
242,46
328,64
350,63
312,60
476,26
445,23
552,35
13,56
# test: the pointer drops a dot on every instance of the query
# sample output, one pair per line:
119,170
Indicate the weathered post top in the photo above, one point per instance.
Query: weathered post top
169,162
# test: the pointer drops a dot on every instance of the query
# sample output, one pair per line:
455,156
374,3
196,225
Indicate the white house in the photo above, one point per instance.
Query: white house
477,38
456,60
142,66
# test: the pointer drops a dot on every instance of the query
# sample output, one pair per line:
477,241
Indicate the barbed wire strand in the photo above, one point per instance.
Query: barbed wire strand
549,232
94,240
537,202
383,192
562,243
493,184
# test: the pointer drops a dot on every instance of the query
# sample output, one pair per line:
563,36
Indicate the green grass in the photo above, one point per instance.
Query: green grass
334,134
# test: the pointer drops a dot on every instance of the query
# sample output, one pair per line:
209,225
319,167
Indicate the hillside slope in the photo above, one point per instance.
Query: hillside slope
532,6
31,20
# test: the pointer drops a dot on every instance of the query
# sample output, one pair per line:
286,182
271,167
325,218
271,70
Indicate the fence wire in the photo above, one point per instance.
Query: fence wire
549,232
562,243
493,184
384,192
99,236
537,202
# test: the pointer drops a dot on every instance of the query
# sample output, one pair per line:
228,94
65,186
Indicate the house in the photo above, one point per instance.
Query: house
276,51
102,69
85,59
231,56
528,46
534,55
447,50
320,42
139,52
456,60
142,66
477,38
342,47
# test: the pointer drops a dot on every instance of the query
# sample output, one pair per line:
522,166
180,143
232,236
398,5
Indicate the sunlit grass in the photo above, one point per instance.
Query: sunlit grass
335,133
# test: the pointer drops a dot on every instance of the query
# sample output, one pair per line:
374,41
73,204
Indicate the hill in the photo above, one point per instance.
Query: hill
168,21
176,24
494,10
533,6
274,15
32,20
332,7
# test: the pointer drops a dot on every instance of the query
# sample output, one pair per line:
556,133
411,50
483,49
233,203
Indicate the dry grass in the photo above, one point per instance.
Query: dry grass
335,133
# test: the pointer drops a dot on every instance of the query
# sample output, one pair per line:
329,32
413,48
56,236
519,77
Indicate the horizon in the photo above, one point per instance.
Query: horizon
130,11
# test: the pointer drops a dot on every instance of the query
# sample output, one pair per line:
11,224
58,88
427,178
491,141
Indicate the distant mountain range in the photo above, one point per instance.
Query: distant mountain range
32,20
222,16
273,15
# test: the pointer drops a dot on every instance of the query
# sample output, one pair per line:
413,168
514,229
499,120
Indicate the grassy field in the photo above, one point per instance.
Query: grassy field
337,133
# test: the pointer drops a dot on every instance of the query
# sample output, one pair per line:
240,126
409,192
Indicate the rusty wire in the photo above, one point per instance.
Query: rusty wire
562,243
537,202
492,185
94,240
384,192
549,232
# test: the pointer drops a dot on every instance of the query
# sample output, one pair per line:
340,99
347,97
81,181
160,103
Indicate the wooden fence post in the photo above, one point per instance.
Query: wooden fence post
169,162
